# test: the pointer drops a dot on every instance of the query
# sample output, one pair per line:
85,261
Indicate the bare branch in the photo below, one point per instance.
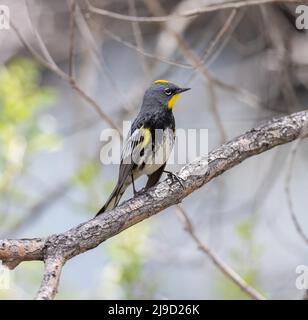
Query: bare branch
241,94
147,54
209,52
196,174
50,64
138,37
290,165
39,207
191,57
72,9
280,41
13,252
51,278
220,264
189,13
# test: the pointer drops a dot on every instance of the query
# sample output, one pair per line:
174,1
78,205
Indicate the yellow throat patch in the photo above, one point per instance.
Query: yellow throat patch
173,100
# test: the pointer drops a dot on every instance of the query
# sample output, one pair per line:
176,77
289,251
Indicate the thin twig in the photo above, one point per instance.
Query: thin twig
72,28
138,38
289,173
280,41
87,34
146,54
188,14
224,29
241,94
191,57
208,53
58,248
223,36
38,208
53,67
220,264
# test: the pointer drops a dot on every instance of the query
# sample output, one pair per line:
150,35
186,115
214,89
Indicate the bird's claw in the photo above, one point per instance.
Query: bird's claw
172,176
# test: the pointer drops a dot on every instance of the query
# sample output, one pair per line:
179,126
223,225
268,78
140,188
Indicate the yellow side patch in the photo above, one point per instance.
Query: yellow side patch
161,81
173,100
146,137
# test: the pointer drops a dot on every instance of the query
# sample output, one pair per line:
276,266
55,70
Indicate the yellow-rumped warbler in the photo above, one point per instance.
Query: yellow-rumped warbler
150,141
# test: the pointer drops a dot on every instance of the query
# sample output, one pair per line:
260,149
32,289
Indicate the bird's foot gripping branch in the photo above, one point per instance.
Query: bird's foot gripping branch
55,250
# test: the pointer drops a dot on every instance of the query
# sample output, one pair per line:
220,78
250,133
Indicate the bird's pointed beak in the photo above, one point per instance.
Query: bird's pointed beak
180,90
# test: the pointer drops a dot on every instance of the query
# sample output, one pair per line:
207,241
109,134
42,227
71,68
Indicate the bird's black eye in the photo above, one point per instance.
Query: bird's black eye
168,91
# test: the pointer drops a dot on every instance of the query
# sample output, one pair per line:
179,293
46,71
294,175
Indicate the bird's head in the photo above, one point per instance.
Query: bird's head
164,92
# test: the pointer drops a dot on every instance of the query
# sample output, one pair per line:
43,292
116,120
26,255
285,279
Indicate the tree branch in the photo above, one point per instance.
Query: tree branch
220,264
290,166
51,278
49,63
72,9
187,14
196,174
13,252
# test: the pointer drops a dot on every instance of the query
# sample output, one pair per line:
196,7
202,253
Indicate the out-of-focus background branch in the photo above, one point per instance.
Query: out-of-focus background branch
245,63
57,249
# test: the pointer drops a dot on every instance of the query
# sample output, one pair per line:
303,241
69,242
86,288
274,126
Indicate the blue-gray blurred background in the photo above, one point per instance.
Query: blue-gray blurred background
51,177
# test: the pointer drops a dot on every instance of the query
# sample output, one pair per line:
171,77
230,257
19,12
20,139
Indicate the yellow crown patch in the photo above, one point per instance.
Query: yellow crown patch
161,81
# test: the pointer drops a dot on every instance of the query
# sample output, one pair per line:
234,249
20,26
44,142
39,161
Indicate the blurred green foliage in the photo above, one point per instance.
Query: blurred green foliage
86,173
123,276
22,131
21,135
244,261
89,179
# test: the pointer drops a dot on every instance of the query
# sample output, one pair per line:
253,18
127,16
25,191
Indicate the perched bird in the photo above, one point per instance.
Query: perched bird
150,140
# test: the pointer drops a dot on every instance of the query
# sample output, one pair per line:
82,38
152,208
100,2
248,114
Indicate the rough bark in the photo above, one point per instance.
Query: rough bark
58,248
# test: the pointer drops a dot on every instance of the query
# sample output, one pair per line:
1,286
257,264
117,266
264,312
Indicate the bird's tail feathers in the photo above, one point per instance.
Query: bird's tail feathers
113,199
